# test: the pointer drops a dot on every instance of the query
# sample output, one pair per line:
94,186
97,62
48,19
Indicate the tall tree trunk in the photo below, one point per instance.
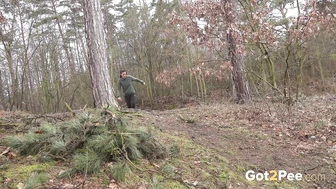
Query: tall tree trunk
103,93
66,49
13,95
2,102
26,79
241,90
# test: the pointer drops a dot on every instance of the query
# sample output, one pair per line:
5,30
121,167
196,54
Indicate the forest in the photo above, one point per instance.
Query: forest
286,50
232,87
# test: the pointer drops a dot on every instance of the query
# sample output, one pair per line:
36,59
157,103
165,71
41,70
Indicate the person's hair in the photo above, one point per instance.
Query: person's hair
121,71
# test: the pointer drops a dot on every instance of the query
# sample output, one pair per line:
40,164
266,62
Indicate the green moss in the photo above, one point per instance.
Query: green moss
25,171
168,170
171,107
174,185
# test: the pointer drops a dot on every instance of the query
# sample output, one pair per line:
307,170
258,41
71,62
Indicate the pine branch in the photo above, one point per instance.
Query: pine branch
69,108
106,135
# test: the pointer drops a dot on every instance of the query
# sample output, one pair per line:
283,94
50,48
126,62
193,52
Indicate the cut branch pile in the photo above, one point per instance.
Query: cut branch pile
93,139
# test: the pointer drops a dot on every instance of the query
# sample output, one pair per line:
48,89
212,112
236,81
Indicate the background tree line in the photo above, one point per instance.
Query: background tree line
179,48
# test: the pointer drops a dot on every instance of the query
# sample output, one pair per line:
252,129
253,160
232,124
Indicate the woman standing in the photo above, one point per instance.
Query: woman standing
125,82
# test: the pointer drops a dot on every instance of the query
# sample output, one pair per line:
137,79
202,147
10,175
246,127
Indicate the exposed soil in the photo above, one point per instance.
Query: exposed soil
259,136
263,136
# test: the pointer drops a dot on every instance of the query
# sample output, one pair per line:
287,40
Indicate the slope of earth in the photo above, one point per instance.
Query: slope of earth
212,146
262,137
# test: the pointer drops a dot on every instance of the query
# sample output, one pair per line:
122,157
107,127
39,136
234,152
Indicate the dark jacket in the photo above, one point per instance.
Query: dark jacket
127,86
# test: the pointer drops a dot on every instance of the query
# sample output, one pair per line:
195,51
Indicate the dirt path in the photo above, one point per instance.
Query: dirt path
263,137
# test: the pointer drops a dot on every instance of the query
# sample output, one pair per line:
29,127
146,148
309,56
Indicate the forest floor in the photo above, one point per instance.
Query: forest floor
218,144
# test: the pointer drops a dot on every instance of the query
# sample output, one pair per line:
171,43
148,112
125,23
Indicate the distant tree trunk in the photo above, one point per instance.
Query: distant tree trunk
103,93
26,79
241,90
13,77
66,49
2,102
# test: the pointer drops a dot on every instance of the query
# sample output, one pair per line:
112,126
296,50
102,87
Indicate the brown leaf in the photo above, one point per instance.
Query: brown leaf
12,155
155,165
6,151
20,185
113,185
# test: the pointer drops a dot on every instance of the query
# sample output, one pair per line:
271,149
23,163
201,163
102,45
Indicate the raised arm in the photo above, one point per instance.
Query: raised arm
137,79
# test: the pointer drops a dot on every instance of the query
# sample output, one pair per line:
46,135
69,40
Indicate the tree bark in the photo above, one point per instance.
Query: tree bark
2,102
103,92
241,91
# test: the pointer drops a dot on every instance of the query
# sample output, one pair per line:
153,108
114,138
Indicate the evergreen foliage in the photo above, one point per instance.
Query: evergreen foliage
92,139
87,162
35,182
119,170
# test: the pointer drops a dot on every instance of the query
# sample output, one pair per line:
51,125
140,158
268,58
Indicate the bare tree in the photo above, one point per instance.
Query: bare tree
220,33
103,93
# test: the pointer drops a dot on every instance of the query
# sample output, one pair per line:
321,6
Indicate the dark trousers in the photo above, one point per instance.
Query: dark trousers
130,100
